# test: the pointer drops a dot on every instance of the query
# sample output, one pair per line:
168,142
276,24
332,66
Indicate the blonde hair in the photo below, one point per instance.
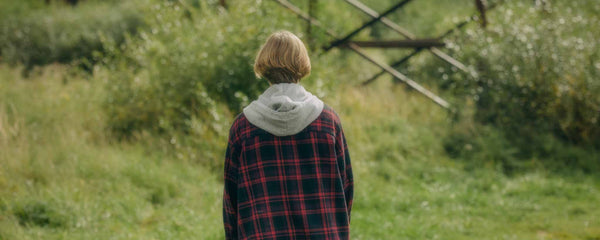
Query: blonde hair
282,59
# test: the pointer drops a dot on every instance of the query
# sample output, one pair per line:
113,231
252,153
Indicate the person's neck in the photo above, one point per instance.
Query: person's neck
271,84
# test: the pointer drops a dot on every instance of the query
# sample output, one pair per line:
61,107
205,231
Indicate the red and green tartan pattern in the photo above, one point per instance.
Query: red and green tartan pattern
290,187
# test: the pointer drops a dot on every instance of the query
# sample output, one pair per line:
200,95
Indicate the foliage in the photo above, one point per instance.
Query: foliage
60,165
485,146
191,60
63,34
539,72
8,7
38,213
537,82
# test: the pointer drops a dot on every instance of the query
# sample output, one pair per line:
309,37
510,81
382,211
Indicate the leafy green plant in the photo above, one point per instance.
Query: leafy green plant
191,60
537,81
538,72
63,34
39,214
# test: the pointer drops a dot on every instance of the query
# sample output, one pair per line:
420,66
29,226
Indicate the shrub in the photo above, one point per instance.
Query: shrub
40,214
192,60
64,34
536,98
485,146
538,72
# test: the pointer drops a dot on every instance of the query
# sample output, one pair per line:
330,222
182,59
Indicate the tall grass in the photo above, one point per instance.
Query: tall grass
63,177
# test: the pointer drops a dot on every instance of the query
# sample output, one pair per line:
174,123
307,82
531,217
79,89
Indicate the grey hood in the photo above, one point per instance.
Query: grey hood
284,109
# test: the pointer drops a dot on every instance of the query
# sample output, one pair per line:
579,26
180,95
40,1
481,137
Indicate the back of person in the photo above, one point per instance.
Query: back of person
287,168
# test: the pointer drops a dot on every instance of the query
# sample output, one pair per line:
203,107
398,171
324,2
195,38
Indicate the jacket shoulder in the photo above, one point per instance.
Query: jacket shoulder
330,114
326,122
239,126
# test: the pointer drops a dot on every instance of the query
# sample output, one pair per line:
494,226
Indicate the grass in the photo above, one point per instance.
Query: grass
63,177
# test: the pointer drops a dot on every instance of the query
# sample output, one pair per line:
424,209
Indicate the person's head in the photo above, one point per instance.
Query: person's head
282,59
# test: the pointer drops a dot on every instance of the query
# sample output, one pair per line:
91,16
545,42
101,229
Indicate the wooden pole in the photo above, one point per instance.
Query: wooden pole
481,7
416,43
312,4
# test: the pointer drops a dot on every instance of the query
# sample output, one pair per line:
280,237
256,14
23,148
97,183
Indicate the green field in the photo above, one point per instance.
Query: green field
67,172
63,178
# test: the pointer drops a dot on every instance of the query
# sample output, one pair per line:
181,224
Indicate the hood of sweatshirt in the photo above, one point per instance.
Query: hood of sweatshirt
284,109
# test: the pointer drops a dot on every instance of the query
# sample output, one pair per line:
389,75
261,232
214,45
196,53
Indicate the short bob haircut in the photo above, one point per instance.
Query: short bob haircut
282,59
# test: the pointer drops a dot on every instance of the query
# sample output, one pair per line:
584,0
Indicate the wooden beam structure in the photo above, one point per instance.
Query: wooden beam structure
410,42
395,27
436,51
394,65
414,85
365,25
417,43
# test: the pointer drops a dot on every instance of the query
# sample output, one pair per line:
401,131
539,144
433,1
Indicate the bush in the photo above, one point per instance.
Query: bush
538,72
488,147
39,214
192,60
64,34
536,97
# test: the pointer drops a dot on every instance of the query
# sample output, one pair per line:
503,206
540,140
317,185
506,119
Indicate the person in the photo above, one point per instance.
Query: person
287,172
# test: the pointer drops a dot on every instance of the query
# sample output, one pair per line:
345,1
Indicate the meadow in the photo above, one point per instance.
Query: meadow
125,138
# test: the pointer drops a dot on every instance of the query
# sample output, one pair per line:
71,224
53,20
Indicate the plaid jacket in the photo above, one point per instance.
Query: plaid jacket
290,187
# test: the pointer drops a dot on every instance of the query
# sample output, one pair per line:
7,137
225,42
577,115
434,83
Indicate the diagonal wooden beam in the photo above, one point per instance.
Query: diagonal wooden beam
390,24
374,14
365,25
418,50
417,43
402,77
394,65
305,16
439,101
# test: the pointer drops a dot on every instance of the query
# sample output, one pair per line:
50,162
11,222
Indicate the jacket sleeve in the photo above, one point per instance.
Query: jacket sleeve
230,180
343,159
